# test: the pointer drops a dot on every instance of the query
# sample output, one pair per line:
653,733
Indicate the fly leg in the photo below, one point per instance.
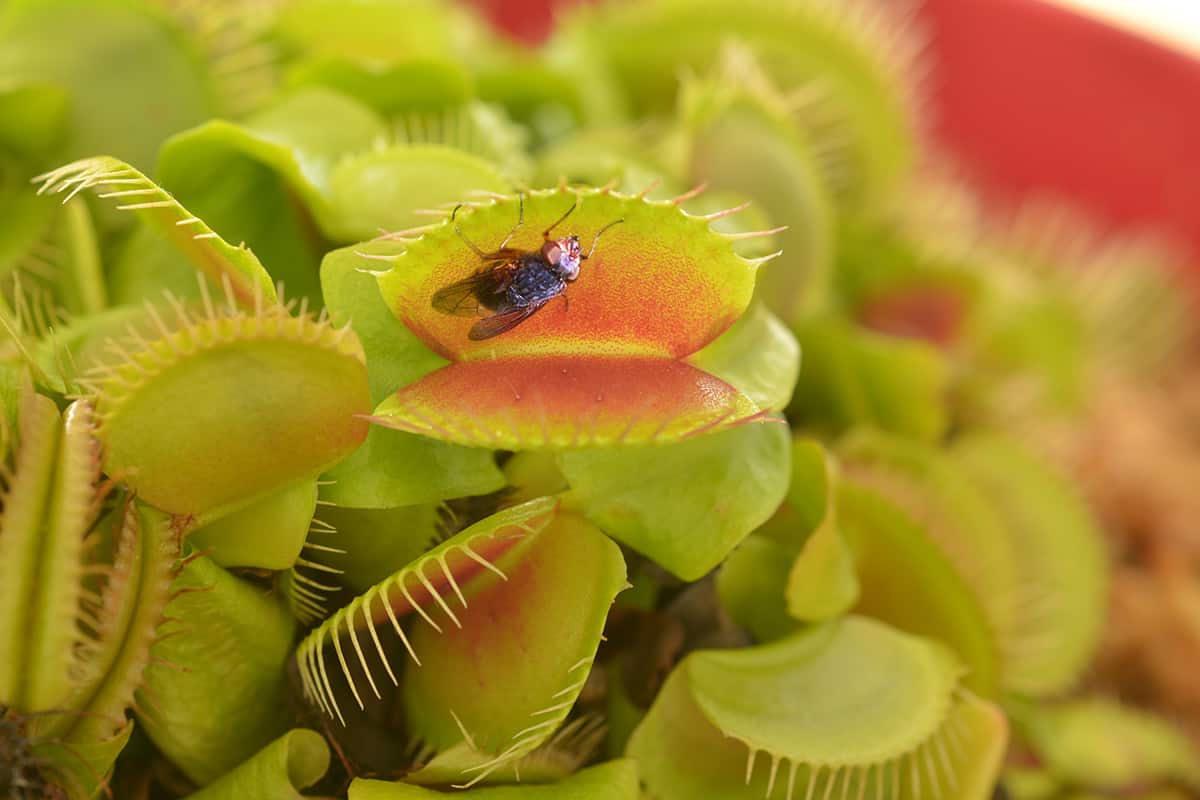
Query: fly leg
502,252
520,220
463,236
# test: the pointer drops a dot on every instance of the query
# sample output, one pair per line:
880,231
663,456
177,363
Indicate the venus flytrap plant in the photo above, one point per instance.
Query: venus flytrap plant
341,159
712,731
215,692
613,780
241,177
741,137
65,42
394,468
512,704
494,561
864,54
1058,630
39,620
291,763
236,268
797,567
516,703
375,542
78,616
417,84
569,749
627,158
835,546
670,519
1070,317
952,512
376,31
854,377
907,581
479,129
636,354
136,402
267,534
1042,644
1138,750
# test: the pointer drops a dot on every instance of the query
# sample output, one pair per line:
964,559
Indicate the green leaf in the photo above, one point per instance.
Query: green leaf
798,567
462,562
28,224
81,284
809,497
423,83
741,143
243,179
24,613
216,692
491,676
292,762
225,265
1029,354
758,355
384,189
1062,562
51,636
627,157
685,505
1102,745
823,583
906,580
957,517
67,352
394,468
751,585
116,60
266,534
32,118
372,30
851,703
864,63
560,756
80,766
258,401
147,264
531,474
377,541
855,377
477,129
395,356
139,555
613,780
551,91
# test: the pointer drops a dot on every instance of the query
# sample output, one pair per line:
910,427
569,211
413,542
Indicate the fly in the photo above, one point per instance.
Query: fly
514,283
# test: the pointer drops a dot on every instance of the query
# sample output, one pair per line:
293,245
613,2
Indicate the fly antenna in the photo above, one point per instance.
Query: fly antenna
599,233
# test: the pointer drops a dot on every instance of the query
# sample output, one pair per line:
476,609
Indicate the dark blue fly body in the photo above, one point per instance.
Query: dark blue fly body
533,281
514,283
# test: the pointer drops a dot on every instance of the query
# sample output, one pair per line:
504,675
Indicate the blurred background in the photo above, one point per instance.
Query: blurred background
993,225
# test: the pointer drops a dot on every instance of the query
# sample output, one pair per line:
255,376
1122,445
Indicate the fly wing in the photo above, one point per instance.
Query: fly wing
483,290
497,324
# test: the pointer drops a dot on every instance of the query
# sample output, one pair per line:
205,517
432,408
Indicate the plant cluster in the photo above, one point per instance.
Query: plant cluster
274,522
